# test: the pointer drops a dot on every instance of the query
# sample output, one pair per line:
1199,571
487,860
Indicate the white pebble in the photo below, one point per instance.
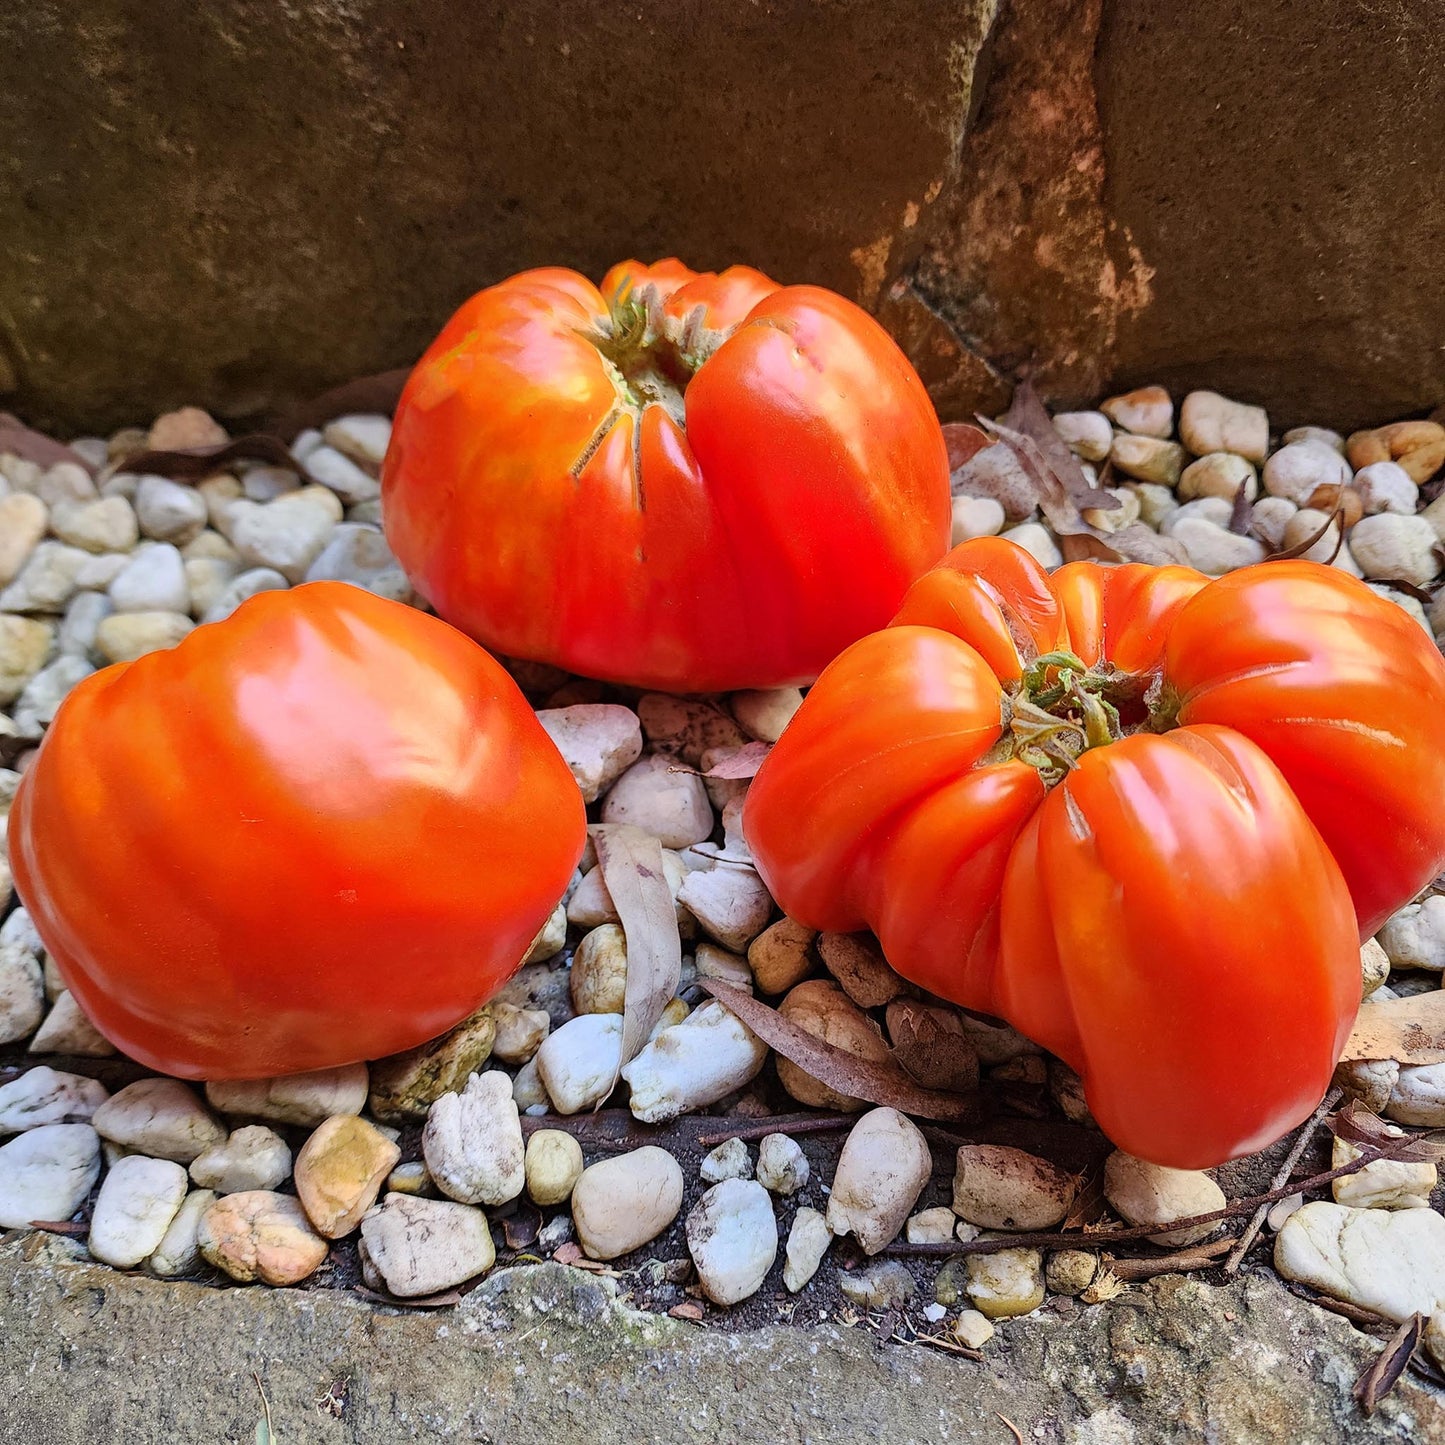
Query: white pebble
22,992
1297,470
1146,1194
655,796
422,1247
1148,459
105,525
67,1030
45,1096
1209,422
153,581
286,534
976,517
307,1099
730,902
1213,549
763,713
1389,545
808,1242
695,1063
577,1063
136,1205
1005,1284
881,1172
243,586
168,511
47,1173
1088,434
363,436
1002,1188
1038,542
1419,1094
158,1116
179,1251
338,473
253,1157
1414,937
598,742
730,1160
733,1239
125,636
782,1165
1387,487
472,1142
1148,410
1385,1183
1269,518
359,555
1218,474
621,1203
553,1166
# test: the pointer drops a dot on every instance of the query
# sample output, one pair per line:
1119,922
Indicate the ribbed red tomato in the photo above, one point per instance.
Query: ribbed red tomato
1144,817
323,830
681,481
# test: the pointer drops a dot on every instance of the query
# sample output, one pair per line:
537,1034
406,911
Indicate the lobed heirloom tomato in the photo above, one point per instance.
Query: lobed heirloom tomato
681,481
323,830
1144,817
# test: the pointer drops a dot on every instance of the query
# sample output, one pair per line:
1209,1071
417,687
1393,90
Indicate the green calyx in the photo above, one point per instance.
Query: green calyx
1060,709
650,356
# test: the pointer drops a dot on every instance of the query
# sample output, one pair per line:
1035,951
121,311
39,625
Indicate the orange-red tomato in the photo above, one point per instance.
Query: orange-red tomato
323,830
682,481
1143,816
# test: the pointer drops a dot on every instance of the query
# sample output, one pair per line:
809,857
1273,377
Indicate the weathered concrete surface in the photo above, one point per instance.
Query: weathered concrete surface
241,203
542,1355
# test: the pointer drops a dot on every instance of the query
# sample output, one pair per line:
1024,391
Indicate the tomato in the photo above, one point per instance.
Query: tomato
322,830
1144,817
679,481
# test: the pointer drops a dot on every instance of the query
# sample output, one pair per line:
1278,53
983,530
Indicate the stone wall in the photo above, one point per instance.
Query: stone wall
242,203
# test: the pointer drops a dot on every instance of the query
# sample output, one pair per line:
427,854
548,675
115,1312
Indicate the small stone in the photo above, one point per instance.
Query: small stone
1219,474
185,428
262,1236
599,971
881,1172
1316,434
22,992
362,436
1005,1284
154,580
1298,470
338,473
529,1094
47,1173
1144,1193
1309,522
67,1030
242,588
1419,1095
1386,487
976,517
423,1247
683,729
1418,446
23,520
179,1251
782,1166
884,1286
1115,519
1281,1210
763,713
553,1166
404,1086
857,962
1435,1338
1147,411
25,644
135,1207
551,939
779,956
359,554
1066,1089
930,1226
266,483
591,904
411,1178
125,636
253,1157
473,1142
1209,422
671,805
1392,1262
286,534
598,741
161,1117
1002,1188
1148,460
1070,1271
64,484
210,544
730,968
820,1007
168,511
730,1160
577,1063
730,902
46,581
304,1099
1389,545
1088,434
1371,1081
1038,542
709,1055
43,1096
1384,1184
1269,518
1415,936
808,1241
733,1239
1213,549
519,1032
107,524
206,581
341,1168
621,1203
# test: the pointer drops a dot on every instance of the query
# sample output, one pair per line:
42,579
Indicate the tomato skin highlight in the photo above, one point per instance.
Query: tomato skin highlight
1176,913
323,830
735,527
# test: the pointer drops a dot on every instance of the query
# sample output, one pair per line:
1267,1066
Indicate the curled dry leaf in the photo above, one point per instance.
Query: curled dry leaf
742,764
964,442
418,1302
1408,1030
1422,595
1026,416
1379,1379
203,461
379,392
631,864
1357,1125
929,1042
33,446
521,1228
878,1083
1241,515
1288,554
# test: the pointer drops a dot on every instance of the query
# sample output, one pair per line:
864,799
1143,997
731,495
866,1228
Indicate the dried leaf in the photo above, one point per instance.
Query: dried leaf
71,1227
687,1310
1357,1125
1140,543
1408,1030
522,1228
377,393
742,764
23,441
1288,554
203,461
568,1253
878,1083
417,1302
1089,1205
929,1042
1389,1364
964,443
1026,415
1242,513
631,863
11,747
1422,595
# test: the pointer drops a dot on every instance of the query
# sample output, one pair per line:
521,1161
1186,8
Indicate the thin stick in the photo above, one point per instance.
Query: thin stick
804,1124
1282,1174
1131,1270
